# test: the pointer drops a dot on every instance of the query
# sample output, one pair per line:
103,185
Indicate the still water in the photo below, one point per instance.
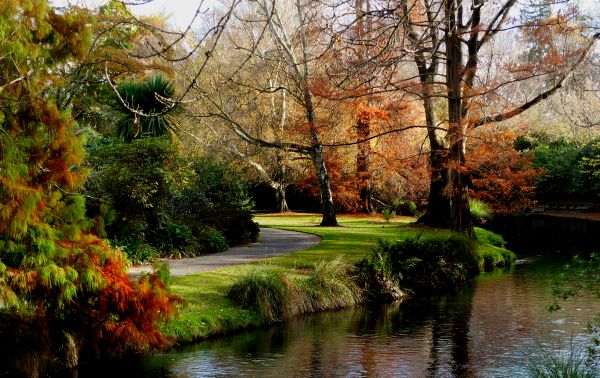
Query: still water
489,329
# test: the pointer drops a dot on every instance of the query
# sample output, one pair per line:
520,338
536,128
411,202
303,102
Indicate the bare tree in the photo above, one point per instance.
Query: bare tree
289,45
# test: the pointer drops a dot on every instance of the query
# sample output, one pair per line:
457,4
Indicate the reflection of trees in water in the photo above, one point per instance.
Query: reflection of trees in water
486,328
449,335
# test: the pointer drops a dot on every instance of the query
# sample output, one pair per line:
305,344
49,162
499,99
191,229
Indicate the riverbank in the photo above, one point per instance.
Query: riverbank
207,312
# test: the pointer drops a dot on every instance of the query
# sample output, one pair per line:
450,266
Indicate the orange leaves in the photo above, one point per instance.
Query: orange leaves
500,175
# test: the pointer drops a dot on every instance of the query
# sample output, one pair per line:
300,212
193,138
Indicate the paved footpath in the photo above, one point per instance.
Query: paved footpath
272,242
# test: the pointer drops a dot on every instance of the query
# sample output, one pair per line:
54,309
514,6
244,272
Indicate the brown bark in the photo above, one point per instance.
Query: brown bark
362,165
459,199
438,207
363,124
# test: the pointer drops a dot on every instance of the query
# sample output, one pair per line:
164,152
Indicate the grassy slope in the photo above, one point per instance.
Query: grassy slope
207,312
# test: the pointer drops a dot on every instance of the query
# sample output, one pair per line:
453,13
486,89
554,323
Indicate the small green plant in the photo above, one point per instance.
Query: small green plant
570,363
480,210
278,295
388,214
403,207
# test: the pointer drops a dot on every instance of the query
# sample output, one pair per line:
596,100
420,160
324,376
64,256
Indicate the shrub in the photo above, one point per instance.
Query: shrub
130,184
417,265
388,214
403,207
331,286
216,197
212,240
138,251
173,236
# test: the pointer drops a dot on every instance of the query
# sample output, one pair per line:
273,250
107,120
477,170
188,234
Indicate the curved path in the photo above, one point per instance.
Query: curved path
273,242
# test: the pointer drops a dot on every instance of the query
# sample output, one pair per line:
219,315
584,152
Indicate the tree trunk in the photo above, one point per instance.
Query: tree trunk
363,122
329,218
459,197
282,206
362,165
438,207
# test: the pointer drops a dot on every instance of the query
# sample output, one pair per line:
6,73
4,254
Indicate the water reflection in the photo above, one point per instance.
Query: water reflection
487,329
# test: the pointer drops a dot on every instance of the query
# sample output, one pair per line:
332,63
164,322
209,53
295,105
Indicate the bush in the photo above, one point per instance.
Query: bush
216,197
173,236
130,184
331,286
403,207
138,251
388,214
212,240
417,265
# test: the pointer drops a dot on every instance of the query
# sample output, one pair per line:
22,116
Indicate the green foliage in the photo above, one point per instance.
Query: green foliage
582,273
146,109
569,170
589,168
212,240
217,197
278,295
559,161
141,190
138,251
418,265
172,236
134,181
403,207
571,363
265,289
330,285
489,237
479,210
388,214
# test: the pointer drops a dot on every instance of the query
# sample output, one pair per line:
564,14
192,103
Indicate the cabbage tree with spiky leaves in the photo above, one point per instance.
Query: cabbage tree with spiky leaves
146,109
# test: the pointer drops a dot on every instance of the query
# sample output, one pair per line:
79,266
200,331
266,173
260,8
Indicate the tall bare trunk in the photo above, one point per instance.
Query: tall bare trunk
318,159
363,123
280,198
362,165
459,196
329,218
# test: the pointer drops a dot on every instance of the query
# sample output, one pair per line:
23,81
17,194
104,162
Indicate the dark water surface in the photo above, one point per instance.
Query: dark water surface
489,329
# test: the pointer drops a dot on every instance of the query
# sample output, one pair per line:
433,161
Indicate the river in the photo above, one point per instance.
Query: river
491,328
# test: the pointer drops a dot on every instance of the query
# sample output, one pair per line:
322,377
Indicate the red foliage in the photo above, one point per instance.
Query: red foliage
501,176
343,180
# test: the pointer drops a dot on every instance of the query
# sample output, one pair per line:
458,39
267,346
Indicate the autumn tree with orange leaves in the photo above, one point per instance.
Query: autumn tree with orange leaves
53,271
452,58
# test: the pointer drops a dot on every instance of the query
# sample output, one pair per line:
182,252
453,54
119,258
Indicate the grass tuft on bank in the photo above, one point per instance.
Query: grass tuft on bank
315,279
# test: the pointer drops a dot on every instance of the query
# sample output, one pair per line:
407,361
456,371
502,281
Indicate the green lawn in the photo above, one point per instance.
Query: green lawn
207,312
